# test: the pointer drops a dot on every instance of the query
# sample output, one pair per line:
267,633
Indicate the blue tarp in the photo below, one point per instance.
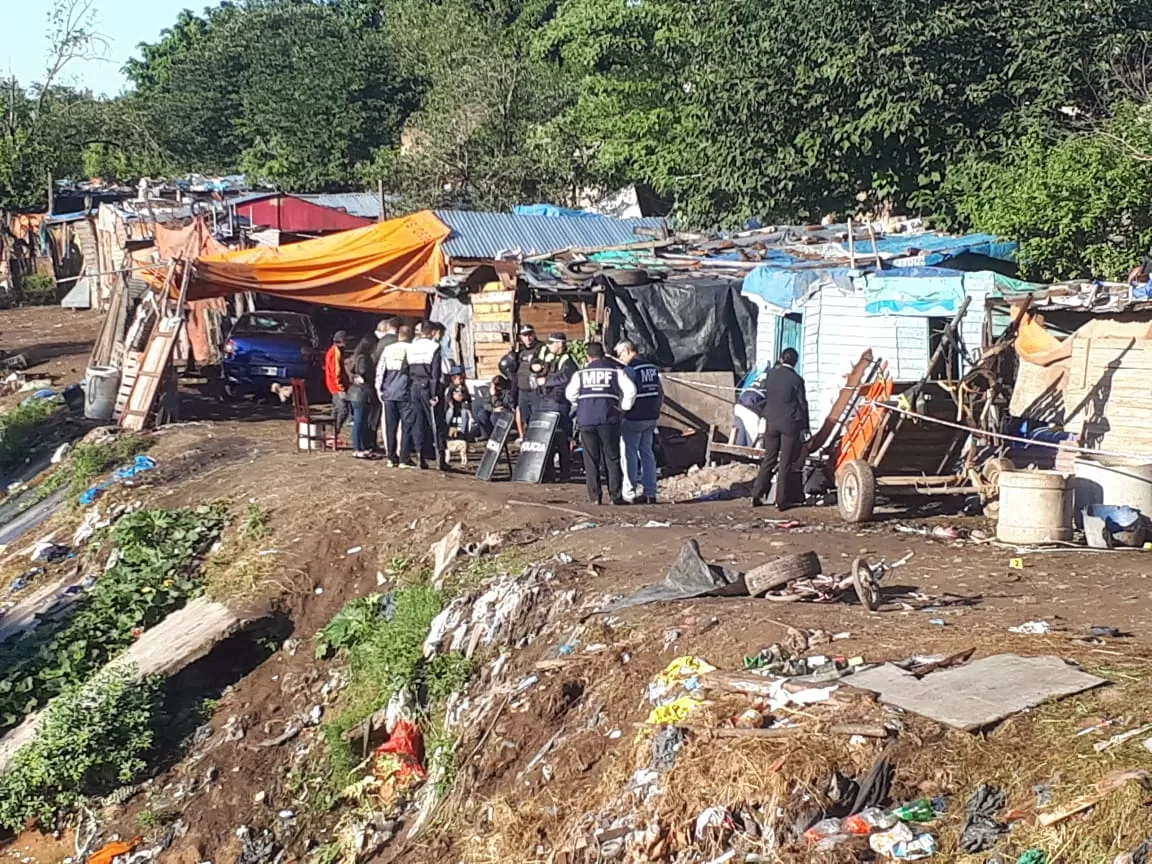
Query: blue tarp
784,286
938,248
552,210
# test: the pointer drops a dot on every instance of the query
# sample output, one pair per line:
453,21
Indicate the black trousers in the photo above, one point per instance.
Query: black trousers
396,413
425,435
781,446
561,442
602,447
528,401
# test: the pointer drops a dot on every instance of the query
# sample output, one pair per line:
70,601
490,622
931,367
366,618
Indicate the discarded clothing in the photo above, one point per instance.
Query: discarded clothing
981,829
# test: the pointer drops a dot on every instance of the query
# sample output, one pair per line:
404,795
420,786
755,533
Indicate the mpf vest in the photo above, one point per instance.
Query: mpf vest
598,402
646,377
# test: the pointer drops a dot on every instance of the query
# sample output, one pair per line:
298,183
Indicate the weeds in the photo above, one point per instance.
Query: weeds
19,429
94,738
255,525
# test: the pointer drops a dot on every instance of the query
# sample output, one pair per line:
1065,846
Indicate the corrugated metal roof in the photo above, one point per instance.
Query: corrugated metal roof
486,235
364,204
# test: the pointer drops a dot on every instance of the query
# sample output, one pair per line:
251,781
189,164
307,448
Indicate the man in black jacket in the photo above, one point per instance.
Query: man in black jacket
785,412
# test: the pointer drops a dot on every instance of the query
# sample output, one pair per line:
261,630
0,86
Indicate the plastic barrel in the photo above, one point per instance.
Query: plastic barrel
1035,507
100,392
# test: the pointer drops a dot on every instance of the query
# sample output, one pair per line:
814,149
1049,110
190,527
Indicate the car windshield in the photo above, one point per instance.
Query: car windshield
281,325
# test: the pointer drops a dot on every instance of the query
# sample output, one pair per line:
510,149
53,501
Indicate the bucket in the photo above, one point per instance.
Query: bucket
100,392
1113,481
1035,507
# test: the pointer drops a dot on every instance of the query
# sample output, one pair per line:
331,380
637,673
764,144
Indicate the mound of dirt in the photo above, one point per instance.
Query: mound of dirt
714,483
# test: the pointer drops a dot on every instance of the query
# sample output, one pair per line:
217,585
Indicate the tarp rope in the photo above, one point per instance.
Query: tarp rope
979,433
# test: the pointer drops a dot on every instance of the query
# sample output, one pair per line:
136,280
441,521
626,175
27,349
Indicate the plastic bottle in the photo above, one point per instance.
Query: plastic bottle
868,820
825,828
920,810
923,846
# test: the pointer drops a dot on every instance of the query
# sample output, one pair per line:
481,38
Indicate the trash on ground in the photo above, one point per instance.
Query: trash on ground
1032,628
1120,738
981,693
1104,787
120,475
690,576
981,828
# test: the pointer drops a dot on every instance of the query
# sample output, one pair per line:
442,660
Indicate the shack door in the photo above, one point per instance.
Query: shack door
790,334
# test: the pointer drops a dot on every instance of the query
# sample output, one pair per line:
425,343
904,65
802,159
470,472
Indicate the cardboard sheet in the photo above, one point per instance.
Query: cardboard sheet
980,694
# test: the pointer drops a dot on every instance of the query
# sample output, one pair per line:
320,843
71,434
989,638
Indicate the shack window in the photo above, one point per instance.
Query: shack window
947,366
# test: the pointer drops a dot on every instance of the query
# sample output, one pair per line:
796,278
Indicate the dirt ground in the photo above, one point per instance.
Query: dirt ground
56,341
336,523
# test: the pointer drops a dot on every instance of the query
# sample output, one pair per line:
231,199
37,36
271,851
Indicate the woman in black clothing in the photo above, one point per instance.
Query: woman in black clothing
361,397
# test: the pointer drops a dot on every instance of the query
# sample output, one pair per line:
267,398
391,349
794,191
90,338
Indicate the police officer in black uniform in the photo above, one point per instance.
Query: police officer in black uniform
559,367
602,393
529,367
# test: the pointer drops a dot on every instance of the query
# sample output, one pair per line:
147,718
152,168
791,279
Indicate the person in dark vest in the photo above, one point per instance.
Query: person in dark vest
602,394
529,367
785,414
559,367
638,429
394,387
425,372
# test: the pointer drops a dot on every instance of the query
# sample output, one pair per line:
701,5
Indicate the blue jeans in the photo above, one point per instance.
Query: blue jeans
362,428
639,457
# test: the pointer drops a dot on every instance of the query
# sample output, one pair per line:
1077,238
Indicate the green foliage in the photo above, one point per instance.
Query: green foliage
87,462
1080,206
446,674
93,738
293,92
492,128
151,576
255,525
20,429
38,289
349,627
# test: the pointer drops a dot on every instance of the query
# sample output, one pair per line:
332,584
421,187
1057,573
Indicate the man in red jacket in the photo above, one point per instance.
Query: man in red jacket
336,378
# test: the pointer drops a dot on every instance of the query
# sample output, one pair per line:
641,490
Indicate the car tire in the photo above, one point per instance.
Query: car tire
760,580
630,278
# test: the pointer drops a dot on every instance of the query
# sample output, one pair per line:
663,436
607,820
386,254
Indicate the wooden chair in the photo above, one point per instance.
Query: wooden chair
312,427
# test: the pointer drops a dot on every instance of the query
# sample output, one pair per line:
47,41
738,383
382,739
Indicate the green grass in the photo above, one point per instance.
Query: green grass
20,431
254,525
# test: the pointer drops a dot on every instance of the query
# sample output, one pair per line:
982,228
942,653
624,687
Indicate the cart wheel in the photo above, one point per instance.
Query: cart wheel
991,470
856,491
781,571
866,589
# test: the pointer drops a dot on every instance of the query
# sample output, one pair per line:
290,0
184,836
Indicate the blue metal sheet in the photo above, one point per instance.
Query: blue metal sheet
363,204
486,235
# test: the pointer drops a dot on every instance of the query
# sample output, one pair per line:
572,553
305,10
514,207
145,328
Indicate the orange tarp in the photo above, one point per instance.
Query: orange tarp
370,269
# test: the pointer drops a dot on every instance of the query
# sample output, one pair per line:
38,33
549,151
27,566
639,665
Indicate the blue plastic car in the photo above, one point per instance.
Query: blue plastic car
267,348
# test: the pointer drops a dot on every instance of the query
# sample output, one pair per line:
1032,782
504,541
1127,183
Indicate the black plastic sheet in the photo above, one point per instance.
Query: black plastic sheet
686,325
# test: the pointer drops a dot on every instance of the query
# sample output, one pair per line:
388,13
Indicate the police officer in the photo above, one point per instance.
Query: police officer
638,429
559,367
602,394
425,374
529,367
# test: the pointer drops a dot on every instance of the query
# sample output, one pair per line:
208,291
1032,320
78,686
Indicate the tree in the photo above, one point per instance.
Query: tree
492,129
38,126
1079,206
768,110
294,92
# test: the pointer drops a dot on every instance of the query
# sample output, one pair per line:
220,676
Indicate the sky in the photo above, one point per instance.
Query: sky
125,23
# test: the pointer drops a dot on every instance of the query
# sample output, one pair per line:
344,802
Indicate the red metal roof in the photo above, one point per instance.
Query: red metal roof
289,213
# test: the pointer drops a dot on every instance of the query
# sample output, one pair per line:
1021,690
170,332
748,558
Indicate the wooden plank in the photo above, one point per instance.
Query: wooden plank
155,361
698,400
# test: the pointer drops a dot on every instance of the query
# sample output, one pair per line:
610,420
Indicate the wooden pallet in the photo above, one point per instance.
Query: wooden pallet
153,365
128,372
